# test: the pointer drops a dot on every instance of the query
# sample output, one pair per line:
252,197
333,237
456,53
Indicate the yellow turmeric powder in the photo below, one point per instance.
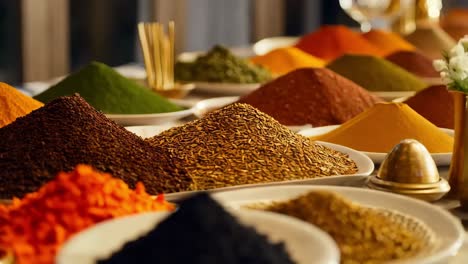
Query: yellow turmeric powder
283,60
381,127
387,42
14,104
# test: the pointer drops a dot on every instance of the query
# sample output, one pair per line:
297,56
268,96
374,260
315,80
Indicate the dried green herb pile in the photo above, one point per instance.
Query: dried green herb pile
241,145
201,232
67,132
364,235
220,65
108,91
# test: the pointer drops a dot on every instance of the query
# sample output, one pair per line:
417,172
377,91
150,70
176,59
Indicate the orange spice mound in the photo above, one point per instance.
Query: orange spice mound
36,226
387,42
331,42
14,104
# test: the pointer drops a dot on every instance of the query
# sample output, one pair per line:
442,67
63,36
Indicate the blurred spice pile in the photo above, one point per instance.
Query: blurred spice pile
36,226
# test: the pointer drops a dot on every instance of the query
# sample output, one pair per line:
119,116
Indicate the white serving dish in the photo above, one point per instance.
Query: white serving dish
441,159
447,229
149,131
149,119
364,164
226,88
389,96
303,241
266,45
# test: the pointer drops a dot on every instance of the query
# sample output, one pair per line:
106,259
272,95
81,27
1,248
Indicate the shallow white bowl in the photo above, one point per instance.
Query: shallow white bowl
149,119
303,241
448,231
441,159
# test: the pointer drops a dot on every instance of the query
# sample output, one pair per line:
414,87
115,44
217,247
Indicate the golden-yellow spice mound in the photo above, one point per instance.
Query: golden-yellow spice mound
14,104
381,127
238,145
363,235
284,60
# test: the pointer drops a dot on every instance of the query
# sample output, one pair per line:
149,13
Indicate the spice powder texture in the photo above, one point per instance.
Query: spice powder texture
241,145
318,97
363,234
14,104
35,227
67,132
201,231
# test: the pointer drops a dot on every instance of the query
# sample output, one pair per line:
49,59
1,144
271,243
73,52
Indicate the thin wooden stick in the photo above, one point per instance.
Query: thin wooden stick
146,53
171,52
157,55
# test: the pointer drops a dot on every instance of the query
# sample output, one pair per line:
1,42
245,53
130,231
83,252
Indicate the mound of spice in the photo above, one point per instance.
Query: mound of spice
220,65
376,74
435,104
331,42
36,226
381,127
241,145
362,234
283,60
14,104
68,131
201,232
108,91
430,39
388,42
318,97
413,62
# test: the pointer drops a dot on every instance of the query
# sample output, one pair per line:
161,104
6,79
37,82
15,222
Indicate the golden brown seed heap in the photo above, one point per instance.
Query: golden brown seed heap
364,235
241,145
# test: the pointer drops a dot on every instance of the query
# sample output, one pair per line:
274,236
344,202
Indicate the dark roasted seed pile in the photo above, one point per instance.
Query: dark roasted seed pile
201,232
67,132
241,145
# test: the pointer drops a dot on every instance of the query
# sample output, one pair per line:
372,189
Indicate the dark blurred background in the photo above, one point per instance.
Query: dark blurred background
75,32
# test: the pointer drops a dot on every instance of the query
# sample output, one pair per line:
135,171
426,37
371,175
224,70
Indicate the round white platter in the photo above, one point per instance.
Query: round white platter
390,96
226,88
364,164
448,231
441,159
149,119
303,241
266,45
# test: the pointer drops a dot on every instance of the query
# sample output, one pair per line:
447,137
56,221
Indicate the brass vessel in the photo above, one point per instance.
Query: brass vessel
410,170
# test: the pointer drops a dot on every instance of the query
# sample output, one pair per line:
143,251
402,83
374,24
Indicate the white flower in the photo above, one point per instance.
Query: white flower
458,50
439,65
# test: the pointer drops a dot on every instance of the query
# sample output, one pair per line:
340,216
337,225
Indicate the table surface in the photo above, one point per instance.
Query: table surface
194,97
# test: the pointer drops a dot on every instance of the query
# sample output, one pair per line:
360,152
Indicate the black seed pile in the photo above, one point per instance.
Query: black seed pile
201,232
67,132
238,145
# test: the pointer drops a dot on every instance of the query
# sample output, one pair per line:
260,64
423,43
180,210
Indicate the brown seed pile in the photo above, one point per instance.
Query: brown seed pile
364,235
241,145
67,132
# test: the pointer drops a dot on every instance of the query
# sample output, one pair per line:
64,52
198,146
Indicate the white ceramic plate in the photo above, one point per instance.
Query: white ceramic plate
389,96
226,88
364,164
243,52
266,45
205,106
149,119
448,231
441,159
148,131
303,241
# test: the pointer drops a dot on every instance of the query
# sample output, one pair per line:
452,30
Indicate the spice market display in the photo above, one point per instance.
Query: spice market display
318,97
383,126
66,167
201,232
239,145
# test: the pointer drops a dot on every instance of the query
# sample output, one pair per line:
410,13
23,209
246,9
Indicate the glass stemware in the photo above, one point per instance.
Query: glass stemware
375,13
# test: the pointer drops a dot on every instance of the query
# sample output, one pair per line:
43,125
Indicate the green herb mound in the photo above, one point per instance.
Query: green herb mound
108,91
376,74
220,65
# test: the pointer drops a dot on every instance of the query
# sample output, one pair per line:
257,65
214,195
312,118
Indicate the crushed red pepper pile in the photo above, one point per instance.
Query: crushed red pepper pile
35,227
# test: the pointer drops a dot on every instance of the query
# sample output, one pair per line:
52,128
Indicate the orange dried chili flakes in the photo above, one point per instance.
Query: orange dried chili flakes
36,226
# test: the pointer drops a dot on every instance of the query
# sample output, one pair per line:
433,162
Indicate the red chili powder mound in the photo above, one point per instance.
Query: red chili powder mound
331,42
413,62
435,104
313,96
